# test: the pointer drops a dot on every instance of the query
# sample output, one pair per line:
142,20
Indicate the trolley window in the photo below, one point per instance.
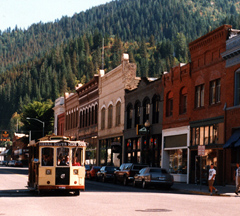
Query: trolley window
63,156
76,155
47,156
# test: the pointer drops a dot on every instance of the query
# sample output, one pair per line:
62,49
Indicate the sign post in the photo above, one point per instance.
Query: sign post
201,152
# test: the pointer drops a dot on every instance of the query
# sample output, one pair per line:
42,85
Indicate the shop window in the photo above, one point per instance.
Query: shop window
156,109
215,87
199,96
210,134
169,108
183,101
129,116
103,118
110,114
118,113
137,113
237,88
178,161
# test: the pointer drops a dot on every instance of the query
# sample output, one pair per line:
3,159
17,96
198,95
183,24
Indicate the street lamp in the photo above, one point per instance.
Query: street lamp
38,121
147,125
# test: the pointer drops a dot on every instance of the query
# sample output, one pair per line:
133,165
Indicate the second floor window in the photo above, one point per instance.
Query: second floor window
169,107
183,101
110,113
199,96
137,113
118,113
129,116
215,87
237,88
103,118
146,110
156,110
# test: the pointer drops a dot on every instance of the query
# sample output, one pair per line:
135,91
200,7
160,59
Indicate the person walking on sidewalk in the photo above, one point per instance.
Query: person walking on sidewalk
237,176
211,179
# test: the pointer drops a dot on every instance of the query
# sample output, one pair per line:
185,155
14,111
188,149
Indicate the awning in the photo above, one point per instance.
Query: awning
233,140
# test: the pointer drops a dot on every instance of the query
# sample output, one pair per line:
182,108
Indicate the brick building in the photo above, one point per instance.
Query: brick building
232,108
71,115
194,101
88,117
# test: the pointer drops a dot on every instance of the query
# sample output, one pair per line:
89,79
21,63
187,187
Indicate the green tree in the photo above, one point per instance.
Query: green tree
33,114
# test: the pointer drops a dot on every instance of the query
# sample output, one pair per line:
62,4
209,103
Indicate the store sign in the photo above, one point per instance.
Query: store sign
5,136
142,130
201,150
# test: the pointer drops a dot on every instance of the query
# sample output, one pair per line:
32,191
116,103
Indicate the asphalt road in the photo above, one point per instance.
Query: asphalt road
105,199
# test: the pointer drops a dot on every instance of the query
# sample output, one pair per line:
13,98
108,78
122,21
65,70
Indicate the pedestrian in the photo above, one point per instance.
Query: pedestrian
211,179
237,176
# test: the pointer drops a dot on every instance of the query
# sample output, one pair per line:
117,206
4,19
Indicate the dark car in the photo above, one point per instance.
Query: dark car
92,174
106,173
153,176
18,164
87,170
126,172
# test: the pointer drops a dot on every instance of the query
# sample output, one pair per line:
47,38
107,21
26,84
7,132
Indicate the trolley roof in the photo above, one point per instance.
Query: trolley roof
58,141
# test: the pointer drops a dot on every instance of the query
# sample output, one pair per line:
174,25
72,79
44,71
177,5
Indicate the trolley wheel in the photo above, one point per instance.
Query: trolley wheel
77,192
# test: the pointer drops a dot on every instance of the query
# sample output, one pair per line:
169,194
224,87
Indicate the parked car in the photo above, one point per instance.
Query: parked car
18,164
11,163
153,176
1,163
93,172
126,172
5,163
106,173
87,170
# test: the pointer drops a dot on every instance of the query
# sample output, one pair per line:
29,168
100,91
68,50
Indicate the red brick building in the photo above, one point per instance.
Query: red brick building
194,101
232,108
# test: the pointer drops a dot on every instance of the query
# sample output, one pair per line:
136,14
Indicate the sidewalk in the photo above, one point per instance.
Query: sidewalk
228,190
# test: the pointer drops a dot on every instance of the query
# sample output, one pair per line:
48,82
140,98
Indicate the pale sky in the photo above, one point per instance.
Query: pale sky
23,13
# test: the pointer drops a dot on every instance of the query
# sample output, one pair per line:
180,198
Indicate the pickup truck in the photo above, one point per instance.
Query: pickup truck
126,172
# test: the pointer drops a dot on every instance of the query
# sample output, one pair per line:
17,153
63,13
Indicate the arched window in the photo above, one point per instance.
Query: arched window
183,101
137,113
118,113
110,115
96,114
103,118
129,115
169,108
146,110
156,109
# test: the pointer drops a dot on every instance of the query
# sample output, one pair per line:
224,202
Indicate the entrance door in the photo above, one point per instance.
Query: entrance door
200,166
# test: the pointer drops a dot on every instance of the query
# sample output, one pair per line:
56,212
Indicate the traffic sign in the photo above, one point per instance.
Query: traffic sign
201,150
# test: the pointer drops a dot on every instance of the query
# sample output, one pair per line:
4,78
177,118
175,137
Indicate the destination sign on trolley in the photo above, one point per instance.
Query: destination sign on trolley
81,144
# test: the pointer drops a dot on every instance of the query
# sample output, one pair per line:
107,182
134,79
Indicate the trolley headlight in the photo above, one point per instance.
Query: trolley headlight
75,172
48,172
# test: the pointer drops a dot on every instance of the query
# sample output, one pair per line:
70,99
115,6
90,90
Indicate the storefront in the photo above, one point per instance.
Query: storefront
144,150
208,133
110,151
175,153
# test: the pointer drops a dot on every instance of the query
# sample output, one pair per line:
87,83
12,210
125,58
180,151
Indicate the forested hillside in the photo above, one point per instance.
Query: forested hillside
46,60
